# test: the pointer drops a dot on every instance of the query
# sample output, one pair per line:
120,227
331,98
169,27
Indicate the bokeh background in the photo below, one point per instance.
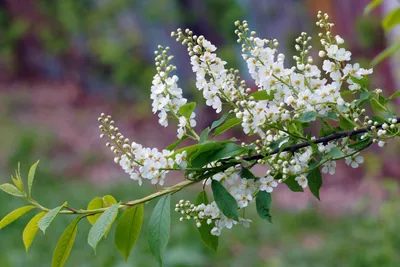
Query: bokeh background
63,62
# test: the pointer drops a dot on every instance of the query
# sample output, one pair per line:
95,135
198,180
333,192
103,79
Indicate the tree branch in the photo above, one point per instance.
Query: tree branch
323,140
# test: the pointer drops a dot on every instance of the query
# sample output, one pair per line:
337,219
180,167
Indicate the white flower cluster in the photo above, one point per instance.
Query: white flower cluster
138,161
149,163
166,95
243,190
217,83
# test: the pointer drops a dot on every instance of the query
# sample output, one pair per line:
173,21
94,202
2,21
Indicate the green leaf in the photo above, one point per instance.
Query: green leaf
342,108
361,145
293,185
18,182
363,82
202,198
262,95
12,190
65,244
334,153
308,116
371,6
96,203
225,201
14,215
205,147
187,109
376,105
378,119
204,135
109,200
395,95
364,96
31,176
315,182
100,227
332,115
391,20
227,150
190,150
176,143
159,228
389,51
246,174
263,205
345,124
128,229
99,203
226,126
211,241
49,217
31,229
218,122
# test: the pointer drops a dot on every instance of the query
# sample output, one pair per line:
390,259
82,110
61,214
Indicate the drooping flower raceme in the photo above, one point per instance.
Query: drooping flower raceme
166,94
140,163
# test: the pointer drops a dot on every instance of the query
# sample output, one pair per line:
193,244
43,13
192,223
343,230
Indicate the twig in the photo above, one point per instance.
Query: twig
323,140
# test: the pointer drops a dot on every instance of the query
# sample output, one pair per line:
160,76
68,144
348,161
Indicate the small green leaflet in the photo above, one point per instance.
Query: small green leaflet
12,190
109,200
262,95
211,241
293,185
226,126
342,108
361,145
332,115
204,135
159,228
49,217
31,176
31,229
225,201
190,150
376,105
14,215
128,229
314,181
176,143
218,122
371,6
363,82
187,109
334,153
364,96
396,94
18,182
202,198
308,116
263,205
246,174
227,150
65,244
385,54
391,20
100,227
345,124
99,203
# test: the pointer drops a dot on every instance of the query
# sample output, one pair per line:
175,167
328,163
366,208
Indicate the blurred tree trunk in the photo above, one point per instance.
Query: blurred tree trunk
27,49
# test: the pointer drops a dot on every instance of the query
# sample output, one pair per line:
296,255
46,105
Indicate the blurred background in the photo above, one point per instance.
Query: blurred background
63,62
